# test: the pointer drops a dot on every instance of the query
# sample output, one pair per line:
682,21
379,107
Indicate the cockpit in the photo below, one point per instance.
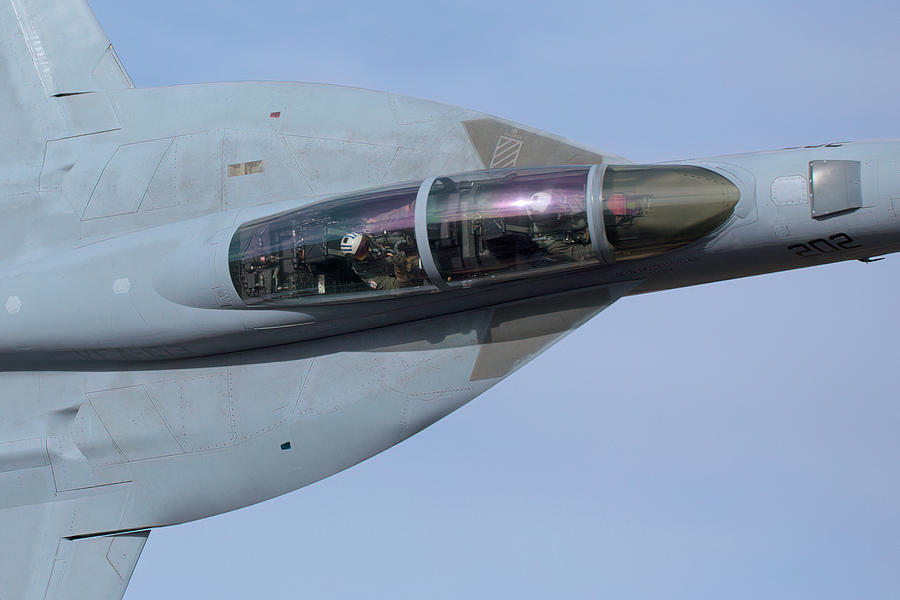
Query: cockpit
359,244
474,228
507,224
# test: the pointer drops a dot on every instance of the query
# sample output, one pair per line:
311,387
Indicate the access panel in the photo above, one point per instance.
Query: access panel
834,187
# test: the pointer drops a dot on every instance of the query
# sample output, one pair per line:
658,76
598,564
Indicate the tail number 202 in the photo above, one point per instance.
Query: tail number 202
835,243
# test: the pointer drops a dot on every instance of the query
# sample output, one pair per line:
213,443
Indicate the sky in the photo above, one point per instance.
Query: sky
733,440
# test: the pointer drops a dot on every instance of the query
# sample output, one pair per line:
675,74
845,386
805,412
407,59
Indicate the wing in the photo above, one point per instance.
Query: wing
56,65
65,45
40,563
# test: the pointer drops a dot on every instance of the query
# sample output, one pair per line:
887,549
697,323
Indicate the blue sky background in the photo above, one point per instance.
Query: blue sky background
735,440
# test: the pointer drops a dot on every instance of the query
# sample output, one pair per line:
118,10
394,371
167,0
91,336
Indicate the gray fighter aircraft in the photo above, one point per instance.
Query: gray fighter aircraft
215,294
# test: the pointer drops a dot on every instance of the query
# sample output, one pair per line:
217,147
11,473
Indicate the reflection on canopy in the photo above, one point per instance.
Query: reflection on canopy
481,227
508,223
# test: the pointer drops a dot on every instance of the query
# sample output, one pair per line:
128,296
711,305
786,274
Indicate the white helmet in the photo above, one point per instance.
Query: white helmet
539,202
355,245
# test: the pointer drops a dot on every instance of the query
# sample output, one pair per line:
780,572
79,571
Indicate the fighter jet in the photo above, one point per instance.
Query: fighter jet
216,294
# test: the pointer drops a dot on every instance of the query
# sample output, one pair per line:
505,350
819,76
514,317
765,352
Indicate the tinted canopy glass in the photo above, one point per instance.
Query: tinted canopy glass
362,244
648,210
508,222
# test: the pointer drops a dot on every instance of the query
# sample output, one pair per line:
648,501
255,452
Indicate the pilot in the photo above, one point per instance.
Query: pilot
380,267
407,266
562,233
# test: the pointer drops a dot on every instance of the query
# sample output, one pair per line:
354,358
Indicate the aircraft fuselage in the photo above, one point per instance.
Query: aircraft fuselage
171,292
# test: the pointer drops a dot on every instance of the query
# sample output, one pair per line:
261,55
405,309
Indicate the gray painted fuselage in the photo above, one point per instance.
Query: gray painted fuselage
138,220
139,389
116,277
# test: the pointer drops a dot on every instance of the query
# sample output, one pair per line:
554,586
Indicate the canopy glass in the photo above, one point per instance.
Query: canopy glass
648,210
363,244
476,228
508,223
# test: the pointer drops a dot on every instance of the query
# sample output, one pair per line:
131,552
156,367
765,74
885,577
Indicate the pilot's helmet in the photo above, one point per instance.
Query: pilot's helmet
539,202
355,245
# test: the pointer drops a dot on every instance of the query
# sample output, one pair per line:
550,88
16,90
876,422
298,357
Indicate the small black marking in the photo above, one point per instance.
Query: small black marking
818,247
286,446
